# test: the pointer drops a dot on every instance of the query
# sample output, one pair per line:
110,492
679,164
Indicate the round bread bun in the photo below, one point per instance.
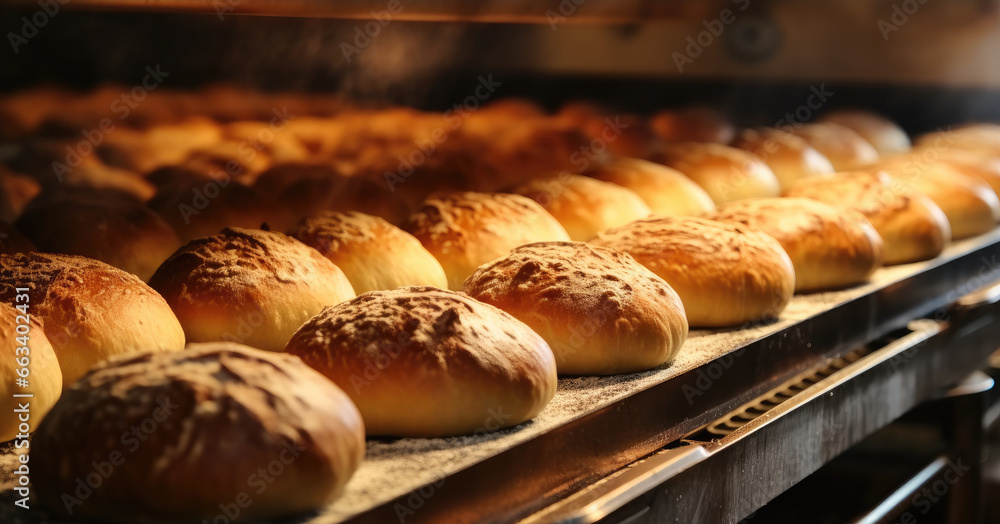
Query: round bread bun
599,310
974,137
666,191
724,172
102,225
583,205
842,146
29,347
367,196
176,437
830,248
465,230
695,124
726,274
50,163
16,190
373,253
422,362
789,156
248,286
142,151
971,205
197,204
236,160
295,191
884,134
90,310
268,138
984,166
911,225
623,134
538,147
13,242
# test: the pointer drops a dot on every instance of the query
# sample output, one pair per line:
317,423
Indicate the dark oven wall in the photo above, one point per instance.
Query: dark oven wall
434,65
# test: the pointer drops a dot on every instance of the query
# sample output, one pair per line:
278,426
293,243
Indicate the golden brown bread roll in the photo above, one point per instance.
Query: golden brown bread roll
367,196
911,225
982,165
23,345
235,159
830,247
373,253
90,310
724,172
142,151
56,166
13,242
971,205
539,147
623,134
972,137
16,190
599,310
196,204
213,430
726,274
584,206
884,134
842,146
105,226
295,191
666,191
271,140
695,124
248,286
789,156
464,230
422,362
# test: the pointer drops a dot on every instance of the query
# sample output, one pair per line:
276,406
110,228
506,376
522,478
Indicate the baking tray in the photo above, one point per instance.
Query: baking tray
597,425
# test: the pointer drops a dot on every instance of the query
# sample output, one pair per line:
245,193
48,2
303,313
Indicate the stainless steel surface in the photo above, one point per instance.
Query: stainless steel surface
739,473
802,448
900,499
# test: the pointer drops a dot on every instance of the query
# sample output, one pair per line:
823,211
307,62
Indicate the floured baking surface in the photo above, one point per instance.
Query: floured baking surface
394,468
